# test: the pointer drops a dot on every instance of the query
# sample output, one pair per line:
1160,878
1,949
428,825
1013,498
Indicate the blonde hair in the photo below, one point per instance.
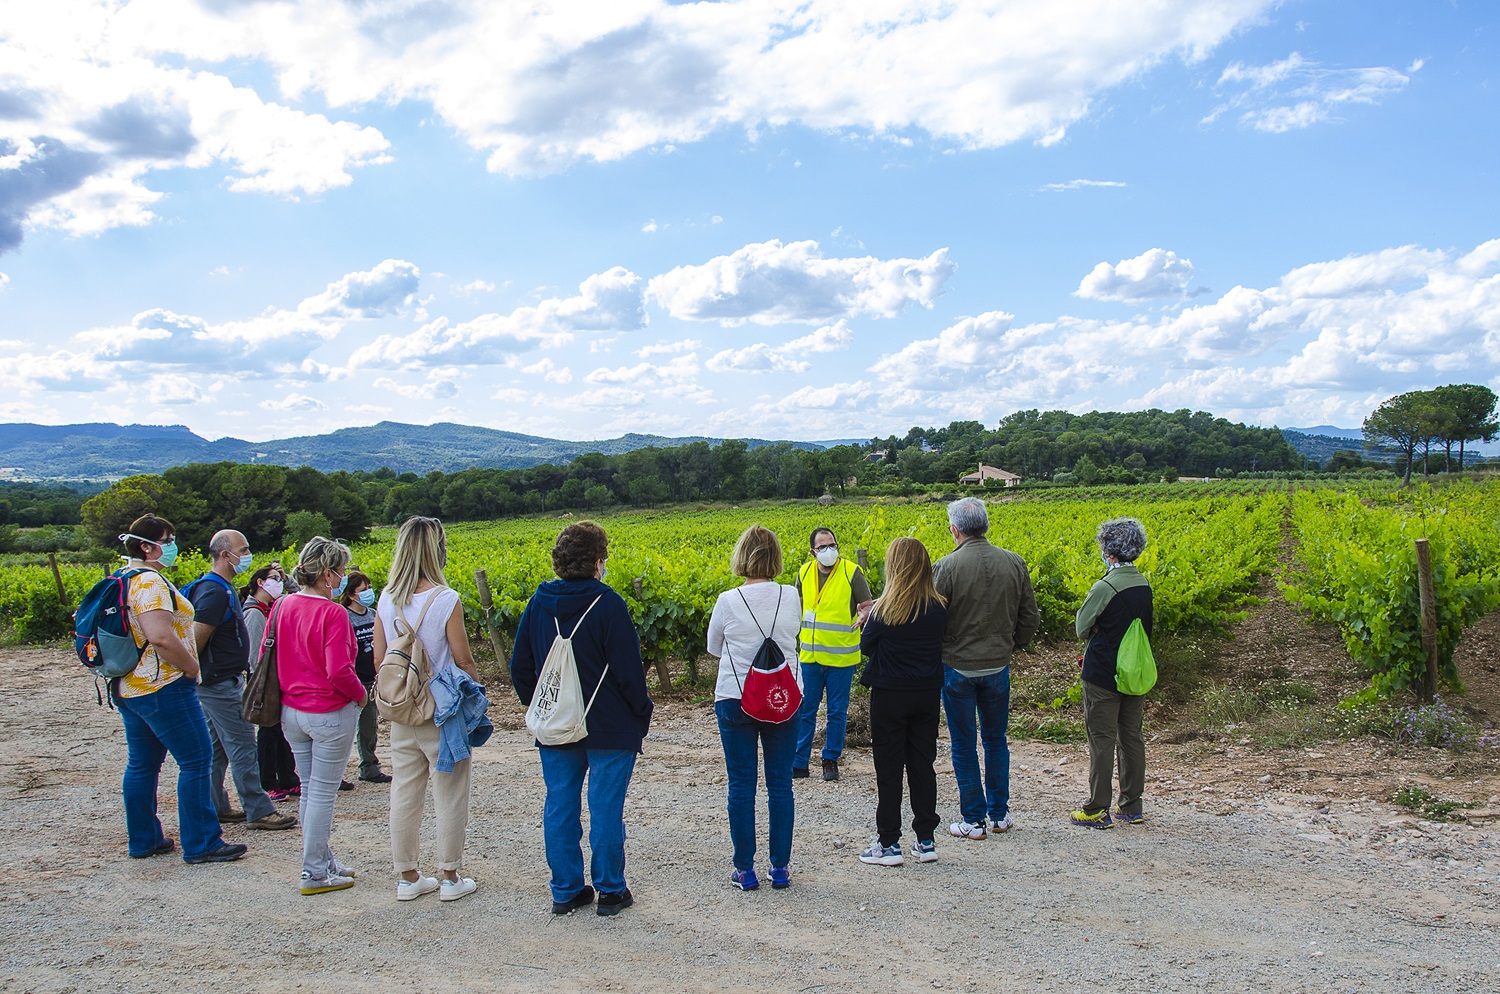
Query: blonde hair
757,554
908,583
421,549
319,556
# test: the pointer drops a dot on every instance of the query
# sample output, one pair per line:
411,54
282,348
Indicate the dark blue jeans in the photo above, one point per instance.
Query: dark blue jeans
609,773
837,680
985,701
168,721
741,734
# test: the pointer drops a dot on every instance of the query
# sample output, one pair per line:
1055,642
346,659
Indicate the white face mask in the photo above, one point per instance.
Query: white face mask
828,557
272,587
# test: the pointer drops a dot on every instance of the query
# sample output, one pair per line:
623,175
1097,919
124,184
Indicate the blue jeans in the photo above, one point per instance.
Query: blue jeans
321,743
168,721
740,735
815,678
987,700
609,773
234,749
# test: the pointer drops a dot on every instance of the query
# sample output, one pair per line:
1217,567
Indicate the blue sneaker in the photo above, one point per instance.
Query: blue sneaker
744,879
880,855
924,851
1138,818
781,877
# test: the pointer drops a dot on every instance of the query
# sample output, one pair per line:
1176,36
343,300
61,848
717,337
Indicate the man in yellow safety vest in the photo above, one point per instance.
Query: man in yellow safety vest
835,602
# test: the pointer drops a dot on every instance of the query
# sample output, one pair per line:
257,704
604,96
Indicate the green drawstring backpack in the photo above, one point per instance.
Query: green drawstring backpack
1135,667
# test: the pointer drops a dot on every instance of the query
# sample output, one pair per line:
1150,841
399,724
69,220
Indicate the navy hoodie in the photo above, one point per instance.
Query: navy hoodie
621,714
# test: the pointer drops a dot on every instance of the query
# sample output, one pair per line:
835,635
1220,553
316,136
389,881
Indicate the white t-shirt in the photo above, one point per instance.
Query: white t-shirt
434,631
734,637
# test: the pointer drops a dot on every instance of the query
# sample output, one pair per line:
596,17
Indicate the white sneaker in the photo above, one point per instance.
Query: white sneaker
452,890
965,830
410,890
924,852
1003,825
882,855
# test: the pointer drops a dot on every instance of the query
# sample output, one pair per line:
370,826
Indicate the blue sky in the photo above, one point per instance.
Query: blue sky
820,219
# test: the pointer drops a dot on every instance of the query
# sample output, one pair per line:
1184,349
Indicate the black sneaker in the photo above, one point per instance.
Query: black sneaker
376,778
226,853
613,904
162,848
830,769
799,773
582,899
345,785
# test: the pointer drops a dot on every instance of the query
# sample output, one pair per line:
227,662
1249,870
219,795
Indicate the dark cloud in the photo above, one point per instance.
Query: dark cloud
17,104
138,130
54,170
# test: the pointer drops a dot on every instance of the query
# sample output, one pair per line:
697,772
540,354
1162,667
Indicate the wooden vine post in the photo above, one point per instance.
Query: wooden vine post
1428,602
497,640
663,671
62,592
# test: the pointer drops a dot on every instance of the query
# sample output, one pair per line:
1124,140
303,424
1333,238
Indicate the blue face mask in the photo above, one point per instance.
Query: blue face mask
367,596
1107,563
243,563
168,554
343,582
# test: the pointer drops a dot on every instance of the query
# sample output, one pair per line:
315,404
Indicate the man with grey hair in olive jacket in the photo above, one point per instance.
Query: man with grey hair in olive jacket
991,612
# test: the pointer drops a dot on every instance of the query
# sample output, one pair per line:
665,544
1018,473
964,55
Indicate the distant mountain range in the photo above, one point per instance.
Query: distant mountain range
109,451
1321,441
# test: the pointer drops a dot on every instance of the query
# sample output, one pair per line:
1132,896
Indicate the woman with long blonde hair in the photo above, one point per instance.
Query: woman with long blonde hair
417,594
903,639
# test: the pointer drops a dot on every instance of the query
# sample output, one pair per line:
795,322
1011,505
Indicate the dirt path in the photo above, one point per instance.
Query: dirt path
1279,871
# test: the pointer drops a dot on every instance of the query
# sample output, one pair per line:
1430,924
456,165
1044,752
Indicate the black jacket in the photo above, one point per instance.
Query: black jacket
905,657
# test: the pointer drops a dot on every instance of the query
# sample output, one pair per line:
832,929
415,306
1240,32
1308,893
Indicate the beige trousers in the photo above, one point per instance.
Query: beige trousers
414,754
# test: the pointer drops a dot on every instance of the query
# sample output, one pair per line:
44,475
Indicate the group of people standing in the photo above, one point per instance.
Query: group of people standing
184,698
938,640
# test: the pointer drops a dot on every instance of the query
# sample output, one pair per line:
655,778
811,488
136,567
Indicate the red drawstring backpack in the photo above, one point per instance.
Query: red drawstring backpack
770,693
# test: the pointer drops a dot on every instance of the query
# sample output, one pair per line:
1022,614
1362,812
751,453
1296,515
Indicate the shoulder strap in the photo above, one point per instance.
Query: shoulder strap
421,615
585,614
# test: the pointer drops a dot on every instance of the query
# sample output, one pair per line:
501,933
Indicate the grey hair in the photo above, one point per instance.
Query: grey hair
319,555
969,516
1123,538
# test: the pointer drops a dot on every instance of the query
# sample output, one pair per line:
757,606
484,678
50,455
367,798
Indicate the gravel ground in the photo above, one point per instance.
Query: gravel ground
1276,870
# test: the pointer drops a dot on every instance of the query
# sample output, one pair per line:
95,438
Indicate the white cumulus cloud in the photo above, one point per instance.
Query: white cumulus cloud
1152,274
606,302
788,358
775,283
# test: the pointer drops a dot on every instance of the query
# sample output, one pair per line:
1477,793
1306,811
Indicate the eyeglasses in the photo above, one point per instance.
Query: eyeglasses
820,548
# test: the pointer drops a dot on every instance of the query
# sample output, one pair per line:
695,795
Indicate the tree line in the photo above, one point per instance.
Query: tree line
275,506
1442,417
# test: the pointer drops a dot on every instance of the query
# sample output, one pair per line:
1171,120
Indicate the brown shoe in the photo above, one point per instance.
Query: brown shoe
231,817
830,769
273,822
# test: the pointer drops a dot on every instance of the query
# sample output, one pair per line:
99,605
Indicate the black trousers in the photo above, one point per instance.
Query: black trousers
903,736
278,767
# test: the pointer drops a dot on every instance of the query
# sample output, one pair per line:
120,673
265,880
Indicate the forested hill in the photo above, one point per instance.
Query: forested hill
108,451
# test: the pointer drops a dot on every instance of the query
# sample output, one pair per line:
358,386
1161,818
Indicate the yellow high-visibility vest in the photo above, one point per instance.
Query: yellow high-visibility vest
828,635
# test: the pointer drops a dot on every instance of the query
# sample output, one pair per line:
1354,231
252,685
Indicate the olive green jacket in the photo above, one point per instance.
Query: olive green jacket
991,606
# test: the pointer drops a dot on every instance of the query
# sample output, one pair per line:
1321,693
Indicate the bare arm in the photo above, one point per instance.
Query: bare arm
458,641
202,633
380,646
157,627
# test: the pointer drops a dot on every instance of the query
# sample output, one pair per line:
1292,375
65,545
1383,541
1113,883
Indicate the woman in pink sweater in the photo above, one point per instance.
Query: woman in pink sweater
320,699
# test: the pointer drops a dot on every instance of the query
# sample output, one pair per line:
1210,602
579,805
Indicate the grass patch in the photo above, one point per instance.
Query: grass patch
1420,800
1046,728
1275,713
